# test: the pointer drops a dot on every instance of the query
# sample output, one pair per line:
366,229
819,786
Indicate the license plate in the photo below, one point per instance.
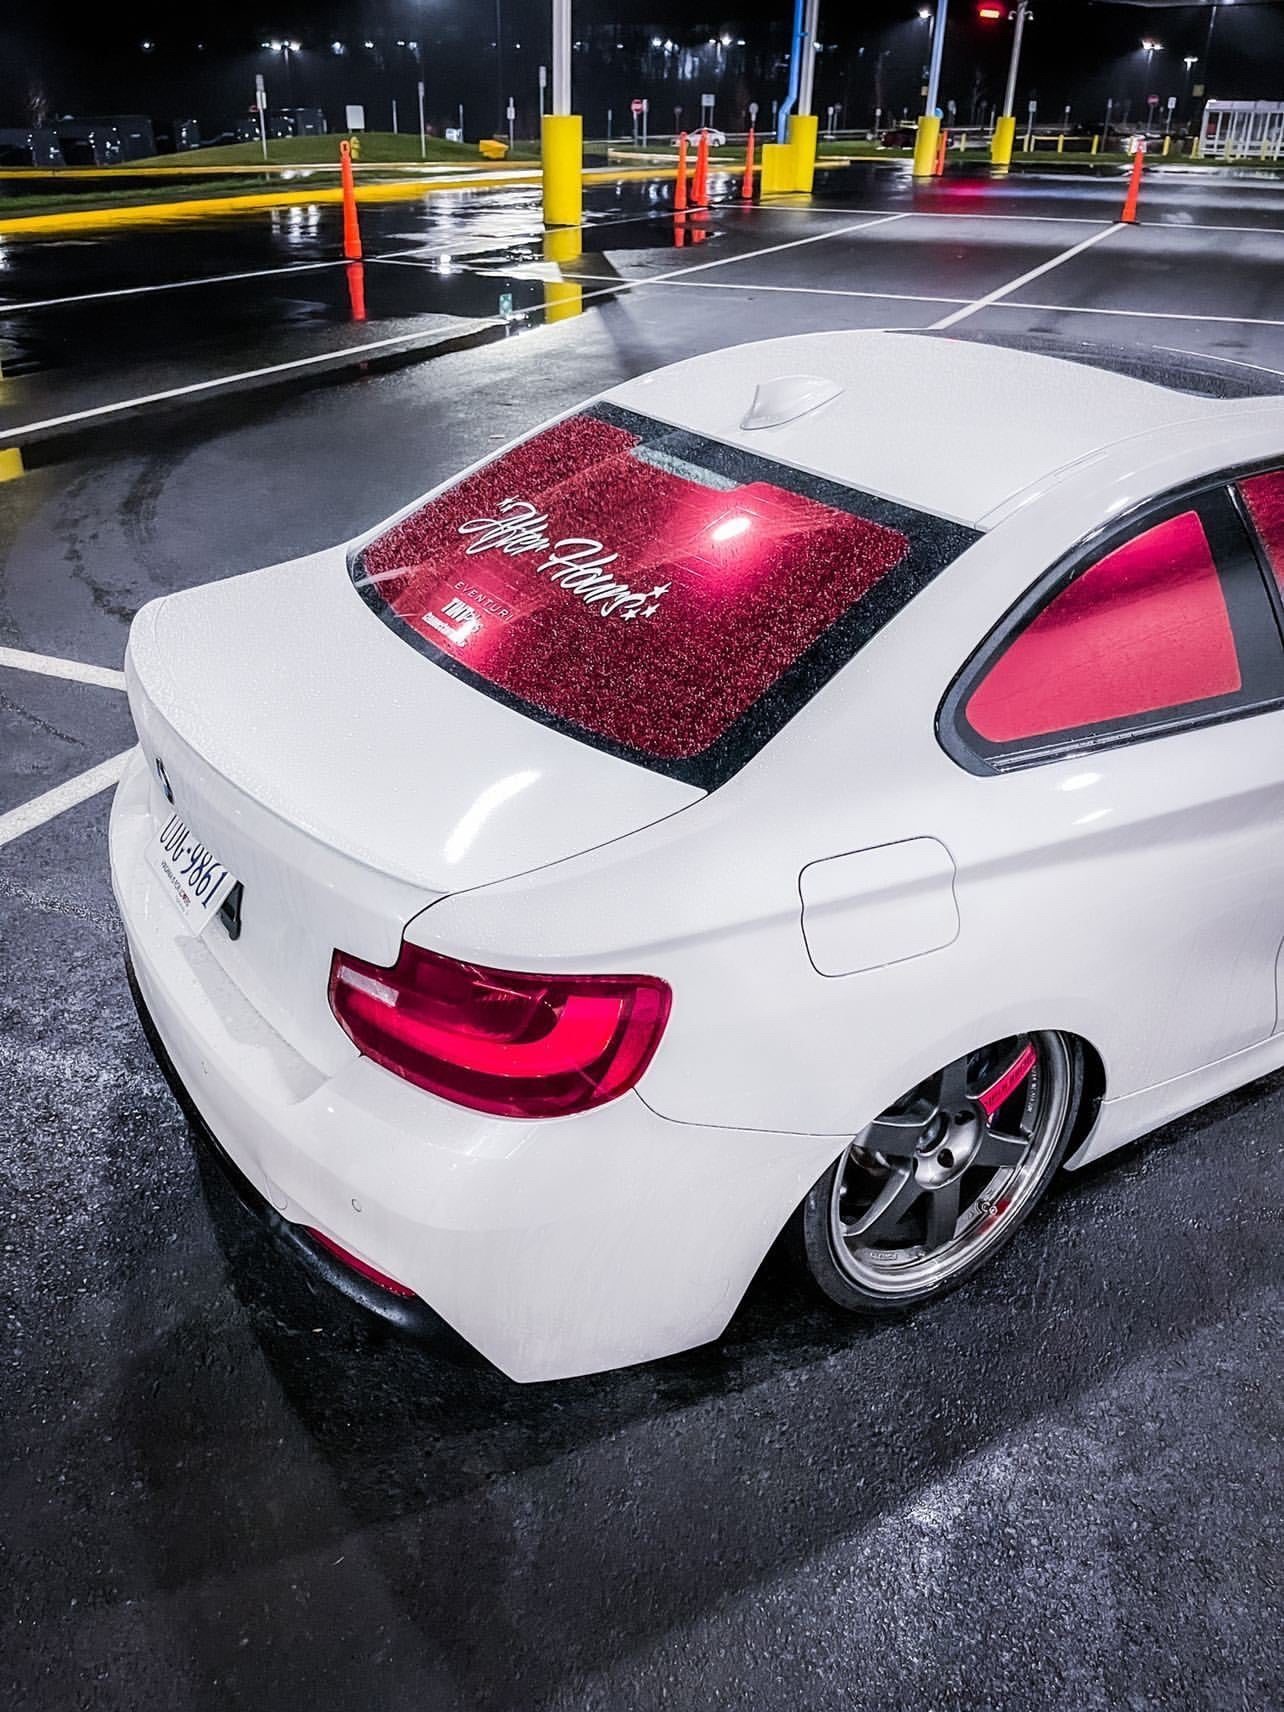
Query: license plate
190,873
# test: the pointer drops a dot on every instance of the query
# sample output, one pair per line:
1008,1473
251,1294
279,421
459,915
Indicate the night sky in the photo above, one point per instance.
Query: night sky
203,59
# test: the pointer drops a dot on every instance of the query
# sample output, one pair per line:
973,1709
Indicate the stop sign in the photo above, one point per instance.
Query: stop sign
635,106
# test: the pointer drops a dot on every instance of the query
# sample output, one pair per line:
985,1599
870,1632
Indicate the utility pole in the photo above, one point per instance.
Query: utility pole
562,133
929,125
1005,129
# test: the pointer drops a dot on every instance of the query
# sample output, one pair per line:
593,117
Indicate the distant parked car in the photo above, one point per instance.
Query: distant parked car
34,146
87,142
754,802
176,136
899,137
135,131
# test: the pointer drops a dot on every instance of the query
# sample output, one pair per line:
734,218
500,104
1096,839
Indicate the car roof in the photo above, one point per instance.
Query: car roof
949,425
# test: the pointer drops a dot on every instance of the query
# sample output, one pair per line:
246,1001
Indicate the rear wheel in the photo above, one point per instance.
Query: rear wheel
939,1183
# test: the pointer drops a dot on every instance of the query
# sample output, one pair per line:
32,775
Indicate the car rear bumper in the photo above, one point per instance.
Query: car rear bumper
408,1314
553,1247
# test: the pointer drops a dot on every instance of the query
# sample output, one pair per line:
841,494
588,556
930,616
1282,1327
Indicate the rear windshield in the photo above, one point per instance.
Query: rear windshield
669,598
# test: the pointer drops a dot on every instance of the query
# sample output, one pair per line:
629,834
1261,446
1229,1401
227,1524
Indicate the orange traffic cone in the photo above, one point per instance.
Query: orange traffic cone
680,188
941,147
351,230
1129,215
356,272
700,184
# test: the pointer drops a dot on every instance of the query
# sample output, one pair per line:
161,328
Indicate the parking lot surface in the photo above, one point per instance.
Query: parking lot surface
221,1487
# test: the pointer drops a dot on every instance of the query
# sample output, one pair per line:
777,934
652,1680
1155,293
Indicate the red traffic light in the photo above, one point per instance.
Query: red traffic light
991,14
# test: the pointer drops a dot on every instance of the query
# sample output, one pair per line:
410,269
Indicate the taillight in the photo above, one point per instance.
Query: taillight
531,1046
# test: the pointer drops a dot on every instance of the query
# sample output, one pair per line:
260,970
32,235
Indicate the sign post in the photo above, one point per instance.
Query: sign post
635,108
260,101
423,129
512,114
543,88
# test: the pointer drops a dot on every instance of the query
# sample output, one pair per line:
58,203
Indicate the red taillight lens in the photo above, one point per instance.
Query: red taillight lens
530,1046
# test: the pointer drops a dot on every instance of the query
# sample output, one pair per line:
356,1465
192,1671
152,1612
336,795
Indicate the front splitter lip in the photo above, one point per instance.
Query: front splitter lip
410,1316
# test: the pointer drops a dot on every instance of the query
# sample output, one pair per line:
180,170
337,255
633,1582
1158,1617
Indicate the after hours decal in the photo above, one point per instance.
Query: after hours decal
622,582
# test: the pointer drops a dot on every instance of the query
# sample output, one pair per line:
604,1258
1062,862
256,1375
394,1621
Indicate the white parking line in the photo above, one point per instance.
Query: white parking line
62,797
418,253
401,343
918,297
1146,314
617,288
75,670
1003,291
735,285
1152,224
7,308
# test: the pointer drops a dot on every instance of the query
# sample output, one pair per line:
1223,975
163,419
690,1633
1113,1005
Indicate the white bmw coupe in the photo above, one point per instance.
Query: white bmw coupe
824,784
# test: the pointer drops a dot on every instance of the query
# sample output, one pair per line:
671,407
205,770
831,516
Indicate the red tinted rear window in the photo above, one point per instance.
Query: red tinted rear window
637,585
1264,496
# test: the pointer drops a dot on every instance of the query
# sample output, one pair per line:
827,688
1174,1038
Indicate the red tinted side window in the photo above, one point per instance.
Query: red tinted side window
1264,497
1142,630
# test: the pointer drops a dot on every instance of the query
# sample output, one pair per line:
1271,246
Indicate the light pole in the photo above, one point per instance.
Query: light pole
1190,62
285,49
562,133
929,125
1208,41
1150,47
499,62
1001,143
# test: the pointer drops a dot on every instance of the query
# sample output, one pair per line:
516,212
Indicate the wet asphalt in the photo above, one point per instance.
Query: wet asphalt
219,1486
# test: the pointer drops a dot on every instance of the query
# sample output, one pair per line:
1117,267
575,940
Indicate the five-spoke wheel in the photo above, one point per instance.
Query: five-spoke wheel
937,1183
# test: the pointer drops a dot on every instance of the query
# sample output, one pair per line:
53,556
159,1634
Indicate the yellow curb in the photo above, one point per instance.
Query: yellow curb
262,169
141,213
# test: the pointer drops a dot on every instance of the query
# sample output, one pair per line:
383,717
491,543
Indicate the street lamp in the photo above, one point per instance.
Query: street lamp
1150,47
928,17
285,48
1005,126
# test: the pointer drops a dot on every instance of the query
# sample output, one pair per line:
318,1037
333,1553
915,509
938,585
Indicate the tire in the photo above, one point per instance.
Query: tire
937,1185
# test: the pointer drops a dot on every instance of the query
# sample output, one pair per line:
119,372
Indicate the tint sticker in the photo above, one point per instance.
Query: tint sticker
669,598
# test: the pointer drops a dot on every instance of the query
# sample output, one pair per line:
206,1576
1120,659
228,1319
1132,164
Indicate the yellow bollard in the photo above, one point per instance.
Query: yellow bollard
1096,142
925,143
1167,145
777,169
11,464
1061,143
1002,140
562,151
802,133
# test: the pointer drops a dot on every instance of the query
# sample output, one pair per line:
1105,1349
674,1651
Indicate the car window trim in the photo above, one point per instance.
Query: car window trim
1260,648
